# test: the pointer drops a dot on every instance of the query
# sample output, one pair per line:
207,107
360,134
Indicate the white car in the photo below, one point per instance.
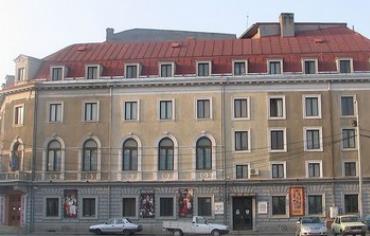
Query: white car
199,225
311,226
116,225
348,225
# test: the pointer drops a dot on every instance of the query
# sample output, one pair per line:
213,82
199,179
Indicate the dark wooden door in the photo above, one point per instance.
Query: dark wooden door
242,213
14,210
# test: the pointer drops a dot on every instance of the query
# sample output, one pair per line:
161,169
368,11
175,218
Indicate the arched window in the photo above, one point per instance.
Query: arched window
130,155
204,154
53,156
16,156
90,155
165,154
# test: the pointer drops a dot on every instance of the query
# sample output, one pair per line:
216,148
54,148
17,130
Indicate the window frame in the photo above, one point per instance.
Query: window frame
278,163
138,70
233,108
158,206
307,168
344,169
210,108
137,110
209,68
269,108
242,164
318,96
61,111
84,111
211,153
344,202
159,155
284,136
81,208
173,69
342,139
21,118
98,71
239,61
339,59
248,150
136,197
45,216
83,156
280,60
57,67
130,157
20,77
212,205
305,129
173,107
322,204
315,60
354,106
286,215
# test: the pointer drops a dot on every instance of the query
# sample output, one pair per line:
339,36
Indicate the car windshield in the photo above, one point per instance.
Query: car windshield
110,221
128,220
311,220
350,219
201,220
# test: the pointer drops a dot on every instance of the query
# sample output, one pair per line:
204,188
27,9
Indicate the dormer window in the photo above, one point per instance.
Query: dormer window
275,66
132,71
92,72
57,73
20,75
240,67
309,66
345,65
167,69
204,68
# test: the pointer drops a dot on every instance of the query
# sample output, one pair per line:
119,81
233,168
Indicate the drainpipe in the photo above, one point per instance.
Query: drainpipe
360,199
334,173
110,147
223,125
33,169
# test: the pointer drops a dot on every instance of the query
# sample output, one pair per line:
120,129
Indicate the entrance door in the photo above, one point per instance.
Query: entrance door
242,213
14,210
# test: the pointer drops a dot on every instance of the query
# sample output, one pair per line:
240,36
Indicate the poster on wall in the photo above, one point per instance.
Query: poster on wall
296,201
219,208
185,202
262,207
147,205
70,203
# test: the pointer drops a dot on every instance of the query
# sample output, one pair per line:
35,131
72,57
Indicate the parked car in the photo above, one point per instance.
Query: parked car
367,221
199,225
347,225
311,226
116,225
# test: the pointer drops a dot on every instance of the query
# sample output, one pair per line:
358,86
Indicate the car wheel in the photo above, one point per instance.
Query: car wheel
98,231
177,233
126,232
216,233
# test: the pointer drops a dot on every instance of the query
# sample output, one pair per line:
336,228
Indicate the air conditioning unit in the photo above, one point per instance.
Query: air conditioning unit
254,171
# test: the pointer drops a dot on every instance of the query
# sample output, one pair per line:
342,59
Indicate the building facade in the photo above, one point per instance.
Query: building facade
251,132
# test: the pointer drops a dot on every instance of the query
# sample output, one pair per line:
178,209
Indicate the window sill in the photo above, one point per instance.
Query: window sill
54,122
240,118
312,117
277,118
88,217
241,151
89,121
279,216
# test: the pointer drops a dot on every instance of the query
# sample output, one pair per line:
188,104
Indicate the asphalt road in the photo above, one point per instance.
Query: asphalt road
251,234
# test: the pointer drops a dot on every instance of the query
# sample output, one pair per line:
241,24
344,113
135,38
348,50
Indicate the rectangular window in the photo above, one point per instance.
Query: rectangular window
275,67
20,74
55,112
56,73
312,106
314,204
277,141
203,68
52,207
166,207
277,107
313,139
129,207
132,71
310,67
165,110
92,72
242,171
204,206
351,203
241,108
239,68
278,205
350,169
347,105
166,70
91,111
131,110
314,169
278,171
203,109
18,115
88,207
348,138
241,141
345,65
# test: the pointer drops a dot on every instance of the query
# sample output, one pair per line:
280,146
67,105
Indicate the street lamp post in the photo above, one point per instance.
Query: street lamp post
360,209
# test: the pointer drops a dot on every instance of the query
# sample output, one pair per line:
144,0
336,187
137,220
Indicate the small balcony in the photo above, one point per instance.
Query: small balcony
15,176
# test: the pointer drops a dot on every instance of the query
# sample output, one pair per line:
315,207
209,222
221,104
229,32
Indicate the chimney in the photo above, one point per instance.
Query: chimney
287,25
110,33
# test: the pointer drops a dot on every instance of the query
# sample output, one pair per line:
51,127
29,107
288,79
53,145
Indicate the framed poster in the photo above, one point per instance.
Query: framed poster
296,201
146,209
262,207
70,203
219,208
185,202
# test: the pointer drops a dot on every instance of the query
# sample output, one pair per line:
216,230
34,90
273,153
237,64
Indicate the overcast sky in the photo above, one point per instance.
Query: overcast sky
41,27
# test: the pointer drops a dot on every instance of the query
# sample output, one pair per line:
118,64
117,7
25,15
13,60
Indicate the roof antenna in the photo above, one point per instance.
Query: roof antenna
247,20
353,27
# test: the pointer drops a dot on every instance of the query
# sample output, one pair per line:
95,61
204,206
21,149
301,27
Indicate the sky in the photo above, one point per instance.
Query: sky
40,27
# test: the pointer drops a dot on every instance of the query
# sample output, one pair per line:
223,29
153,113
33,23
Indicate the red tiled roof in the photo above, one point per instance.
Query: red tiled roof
326,45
